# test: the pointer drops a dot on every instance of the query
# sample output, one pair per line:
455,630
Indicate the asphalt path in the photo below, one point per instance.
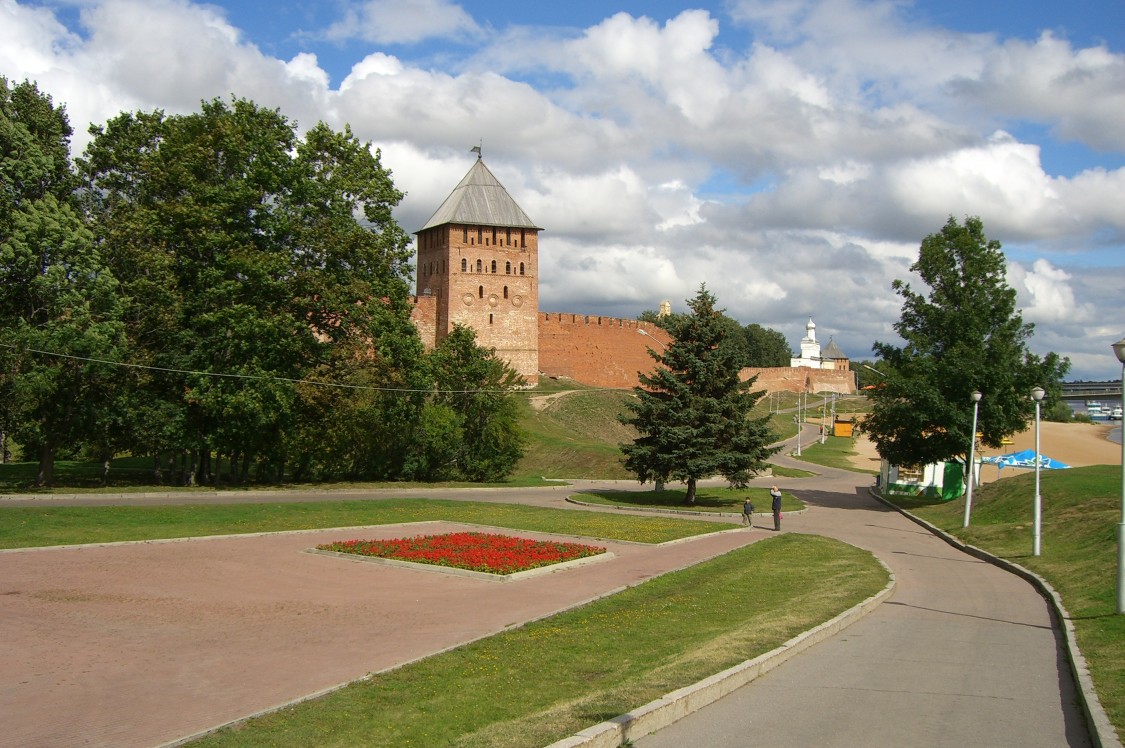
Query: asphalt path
962,654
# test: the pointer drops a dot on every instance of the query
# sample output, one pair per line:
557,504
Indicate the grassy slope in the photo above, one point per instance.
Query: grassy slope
1081,508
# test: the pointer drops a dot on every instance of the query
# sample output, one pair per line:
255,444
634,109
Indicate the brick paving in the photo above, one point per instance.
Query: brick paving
142,644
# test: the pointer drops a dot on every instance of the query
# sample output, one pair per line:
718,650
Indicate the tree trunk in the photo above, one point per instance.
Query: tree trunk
46,474
690,498
244,473
189,477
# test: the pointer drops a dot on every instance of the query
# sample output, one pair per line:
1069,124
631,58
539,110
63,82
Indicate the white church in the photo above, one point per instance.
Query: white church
814,358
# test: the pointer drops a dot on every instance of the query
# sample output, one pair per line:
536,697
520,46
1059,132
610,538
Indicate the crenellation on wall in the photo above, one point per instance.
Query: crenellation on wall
597,351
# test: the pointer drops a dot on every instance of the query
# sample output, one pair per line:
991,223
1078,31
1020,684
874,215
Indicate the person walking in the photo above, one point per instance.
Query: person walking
747,512
776,506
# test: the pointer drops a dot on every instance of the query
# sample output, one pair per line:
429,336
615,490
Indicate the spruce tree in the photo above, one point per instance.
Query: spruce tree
692,413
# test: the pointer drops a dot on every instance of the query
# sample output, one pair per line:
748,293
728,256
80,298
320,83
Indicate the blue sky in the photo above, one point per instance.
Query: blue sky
791,154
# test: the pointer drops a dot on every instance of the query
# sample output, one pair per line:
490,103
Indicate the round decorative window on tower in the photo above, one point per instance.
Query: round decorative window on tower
517,301
493,299
468,299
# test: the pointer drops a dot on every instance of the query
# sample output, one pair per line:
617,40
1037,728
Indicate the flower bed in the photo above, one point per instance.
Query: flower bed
475,551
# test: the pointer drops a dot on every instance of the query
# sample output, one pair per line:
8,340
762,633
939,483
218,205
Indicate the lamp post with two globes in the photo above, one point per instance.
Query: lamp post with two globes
1119,351
975,397
1037,395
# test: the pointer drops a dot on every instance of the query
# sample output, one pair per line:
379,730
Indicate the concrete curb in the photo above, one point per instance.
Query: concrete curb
663,510
1102,732
673,706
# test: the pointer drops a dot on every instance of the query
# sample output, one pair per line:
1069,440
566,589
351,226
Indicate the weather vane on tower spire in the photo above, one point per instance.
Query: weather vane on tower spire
476,149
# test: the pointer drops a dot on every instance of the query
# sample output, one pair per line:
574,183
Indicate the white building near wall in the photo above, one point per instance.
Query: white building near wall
813,357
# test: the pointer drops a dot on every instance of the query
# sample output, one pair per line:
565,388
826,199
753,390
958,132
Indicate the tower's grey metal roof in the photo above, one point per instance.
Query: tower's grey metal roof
832,351
480,200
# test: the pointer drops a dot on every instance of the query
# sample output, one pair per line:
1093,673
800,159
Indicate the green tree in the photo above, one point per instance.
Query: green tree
472,401
965,334
766,347
58,302
692,413
253,258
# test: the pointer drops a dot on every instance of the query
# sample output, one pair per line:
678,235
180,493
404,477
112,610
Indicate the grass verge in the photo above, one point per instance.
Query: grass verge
706,499
834,453
23,527
1081,508
549,679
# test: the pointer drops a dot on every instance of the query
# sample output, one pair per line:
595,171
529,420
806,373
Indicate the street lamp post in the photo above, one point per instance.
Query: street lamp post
646,333
975,397
1119,351
1037,396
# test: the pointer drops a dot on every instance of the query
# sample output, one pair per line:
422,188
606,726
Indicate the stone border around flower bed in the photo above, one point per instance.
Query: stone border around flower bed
487,576
660,713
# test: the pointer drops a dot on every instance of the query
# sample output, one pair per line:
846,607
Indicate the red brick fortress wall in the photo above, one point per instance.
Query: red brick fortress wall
597,351
796,379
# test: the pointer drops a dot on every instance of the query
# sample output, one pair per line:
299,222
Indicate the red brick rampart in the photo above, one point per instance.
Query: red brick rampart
797,379
597,351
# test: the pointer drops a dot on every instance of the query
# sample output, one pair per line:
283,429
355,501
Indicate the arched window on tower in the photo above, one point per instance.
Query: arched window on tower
464,234
494,266
507,268
480,292
480,266
464,265
505,292
521,268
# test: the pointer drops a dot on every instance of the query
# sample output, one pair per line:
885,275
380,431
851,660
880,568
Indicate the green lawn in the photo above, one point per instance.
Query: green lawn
833,453
1081,509
706,499
540,683
23,527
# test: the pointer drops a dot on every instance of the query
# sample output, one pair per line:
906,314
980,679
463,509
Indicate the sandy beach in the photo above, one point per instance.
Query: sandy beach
1076,444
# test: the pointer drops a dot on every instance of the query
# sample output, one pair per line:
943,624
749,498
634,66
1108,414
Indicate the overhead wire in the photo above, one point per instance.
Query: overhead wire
262,377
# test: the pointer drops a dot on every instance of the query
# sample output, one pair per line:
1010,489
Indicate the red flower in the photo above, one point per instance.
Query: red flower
495,554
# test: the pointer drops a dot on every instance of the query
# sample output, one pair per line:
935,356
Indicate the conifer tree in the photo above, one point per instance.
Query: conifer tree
692,413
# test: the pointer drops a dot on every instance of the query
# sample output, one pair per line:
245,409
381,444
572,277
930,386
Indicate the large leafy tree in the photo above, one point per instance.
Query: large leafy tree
964,334
766,347
692,413
756,346
59,311
253,258
470,429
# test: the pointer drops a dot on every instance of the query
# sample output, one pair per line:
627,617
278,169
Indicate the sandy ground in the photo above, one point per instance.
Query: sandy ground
1076,444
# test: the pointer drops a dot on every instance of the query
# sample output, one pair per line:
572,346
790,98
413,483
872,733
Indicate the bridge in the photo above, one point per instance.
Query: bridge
1110,390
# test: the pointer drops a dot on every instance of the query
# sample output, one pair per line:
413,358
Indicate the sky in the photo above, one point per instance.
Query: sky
789,154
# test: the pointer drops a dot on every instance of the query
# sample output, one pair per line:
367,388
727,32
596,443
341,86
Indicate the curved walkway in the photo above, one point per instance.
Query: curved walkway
962,654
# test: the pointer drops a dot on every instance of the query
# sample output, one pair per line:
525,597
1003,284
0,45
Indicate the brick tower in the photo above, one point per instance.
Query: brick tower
478,259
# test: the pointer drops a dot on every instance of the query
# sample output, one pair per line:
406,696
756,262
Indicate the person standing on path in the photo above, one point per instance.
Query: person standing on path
776,506
747,512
